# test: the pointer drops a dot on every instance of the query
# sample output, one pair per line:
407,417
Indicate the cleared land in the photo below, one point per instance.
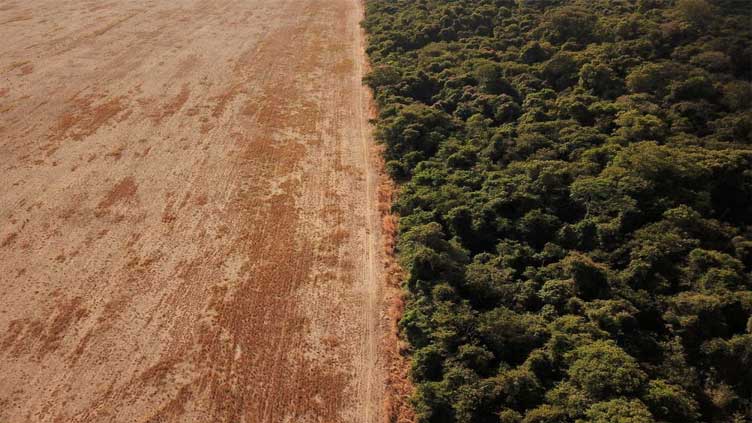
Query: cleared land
188,222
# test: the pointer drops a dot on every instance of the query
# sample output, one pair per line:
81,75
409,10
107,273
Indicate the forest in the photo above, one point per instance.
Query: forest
575,205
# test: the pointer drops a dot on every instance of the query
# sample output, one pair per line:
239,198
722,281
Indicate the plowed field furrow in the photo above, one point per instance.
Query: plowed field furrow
188,220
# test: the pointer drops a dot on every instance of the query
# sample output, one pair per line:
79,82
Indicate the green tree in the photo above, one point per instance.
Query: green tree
619,411
545,414
697,12
602,369
670,402
511,336
600,79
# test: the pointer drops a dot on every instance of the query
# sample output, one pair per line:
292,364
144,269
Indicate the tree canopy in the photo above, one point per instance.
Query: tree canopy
575,206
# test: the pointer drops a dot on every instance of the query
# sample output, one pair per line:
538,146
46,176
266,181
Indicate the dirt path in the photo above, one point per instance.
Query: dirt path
188,221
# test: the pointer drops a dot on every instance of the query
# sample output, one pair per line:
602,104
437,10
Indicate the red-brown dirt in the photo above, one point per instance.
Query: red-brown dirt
190,227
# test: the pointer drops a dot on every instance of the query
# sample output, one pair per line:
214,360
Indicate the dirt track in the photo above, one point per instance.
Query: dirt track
188,221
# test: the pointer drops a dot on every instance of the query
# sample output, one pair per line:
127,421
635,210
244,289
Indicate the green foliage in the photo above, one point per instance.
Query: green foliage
696,12
576,202
545,414
568,23
619,411
670,402
649,78
601,80
511,336
603,370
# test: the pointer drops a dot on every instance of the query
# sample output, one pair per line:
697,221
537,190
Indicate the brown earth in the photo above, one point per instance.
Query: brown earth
189,221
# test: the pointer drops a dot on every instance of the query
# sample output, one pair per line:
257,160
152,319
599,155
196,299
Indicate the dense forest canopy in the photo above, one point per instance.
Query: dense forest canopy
575,207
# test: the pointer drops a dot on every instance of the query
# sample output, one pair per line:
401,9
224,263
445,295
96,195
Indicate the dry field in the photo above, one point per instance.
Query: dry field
188,220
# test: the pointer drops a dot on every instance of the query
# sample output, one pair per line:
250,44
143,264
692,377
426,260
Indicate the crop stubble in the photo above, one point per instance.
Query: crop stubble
189,225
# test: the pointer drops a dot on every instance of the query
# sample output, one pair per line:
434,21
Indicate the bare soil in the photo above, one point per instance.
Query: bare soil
189,221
